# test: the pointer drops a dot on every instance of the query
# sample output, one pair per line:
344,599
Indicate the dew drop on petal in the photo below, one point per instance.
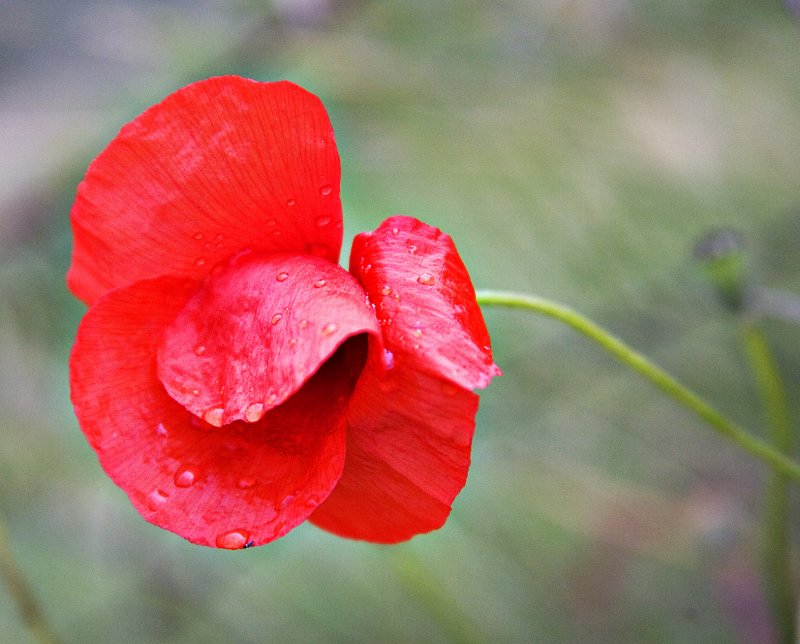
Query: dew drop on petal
254,412
417,333
386,290
276,318
161,430
395,231
326,190
319,283
271,400
200,261
233,540
426,279
199,350
195,392
184,477
157,498
292,343
282,276
198,236
246,482
412,249
329,328
214,416
388,359
303,324
323,221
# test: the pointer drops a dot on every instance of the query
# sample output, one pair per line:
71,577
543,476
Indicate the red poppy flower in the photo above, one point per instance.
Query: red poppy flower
232,377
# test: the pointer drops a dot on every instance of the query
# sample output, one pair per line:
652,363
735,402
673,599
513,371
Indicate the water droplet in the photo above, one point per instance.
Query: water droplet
292,343
426,279
184,477
271,400
282,276
323,221
319,283
386,290
412,249
200,261
417,333
246,482
233,540
329,328
157,498
199,350
388,359
214,416
367,268
161,430
198,236
254,412
395,231
291,203
303,324
313,501
325,190
195,392
276,318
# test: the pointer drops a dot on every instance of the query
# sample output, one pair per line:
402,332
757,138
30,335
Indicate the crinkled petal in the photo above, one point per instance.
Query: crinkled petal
408,453
221,165
424,300
256,330
243,484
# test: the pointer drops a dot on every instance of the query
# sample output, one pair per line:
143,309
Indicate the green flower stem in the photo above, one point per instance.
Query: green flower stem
669,385
777,548
21,592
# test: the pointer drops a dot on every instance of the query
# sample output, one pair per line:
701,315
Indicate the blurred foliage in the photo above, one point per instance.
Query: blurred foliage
573,148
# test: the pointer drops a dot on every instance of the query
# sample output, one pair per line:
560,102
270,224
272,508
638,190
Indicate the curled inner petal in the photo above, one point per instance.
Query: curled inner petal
257,329
244,484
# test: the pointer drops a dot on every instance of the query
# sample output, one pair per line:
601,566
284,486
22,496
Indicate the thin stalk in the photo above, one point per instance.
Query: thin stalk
21,593
660,378
777,546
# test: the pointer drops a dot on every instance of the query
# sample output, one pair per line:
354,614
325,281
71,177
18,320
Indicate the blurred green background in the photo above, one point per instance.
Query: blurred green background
573,148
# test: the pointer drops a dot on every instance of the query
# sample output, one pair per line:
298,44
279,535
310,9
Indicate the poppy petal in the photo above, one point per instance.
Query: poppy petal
222,165
424,300
408,453
257,329
240,485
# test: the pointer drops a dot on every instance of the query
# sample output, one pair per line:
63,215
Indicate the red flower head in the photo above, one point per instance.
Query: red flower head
232,377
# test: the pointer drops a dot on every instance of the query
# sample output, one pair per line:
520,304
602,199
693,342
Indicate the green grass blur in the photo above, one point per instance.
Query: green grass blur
574,149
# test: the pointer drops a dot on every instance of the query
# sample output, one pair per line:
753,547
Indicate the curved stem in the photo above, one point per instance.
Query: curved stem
636,361
21,593
777,548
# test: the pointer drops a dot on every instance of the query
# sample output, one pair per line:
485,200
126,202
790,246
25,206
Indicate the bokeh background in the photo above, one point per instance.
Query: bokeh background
573,148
